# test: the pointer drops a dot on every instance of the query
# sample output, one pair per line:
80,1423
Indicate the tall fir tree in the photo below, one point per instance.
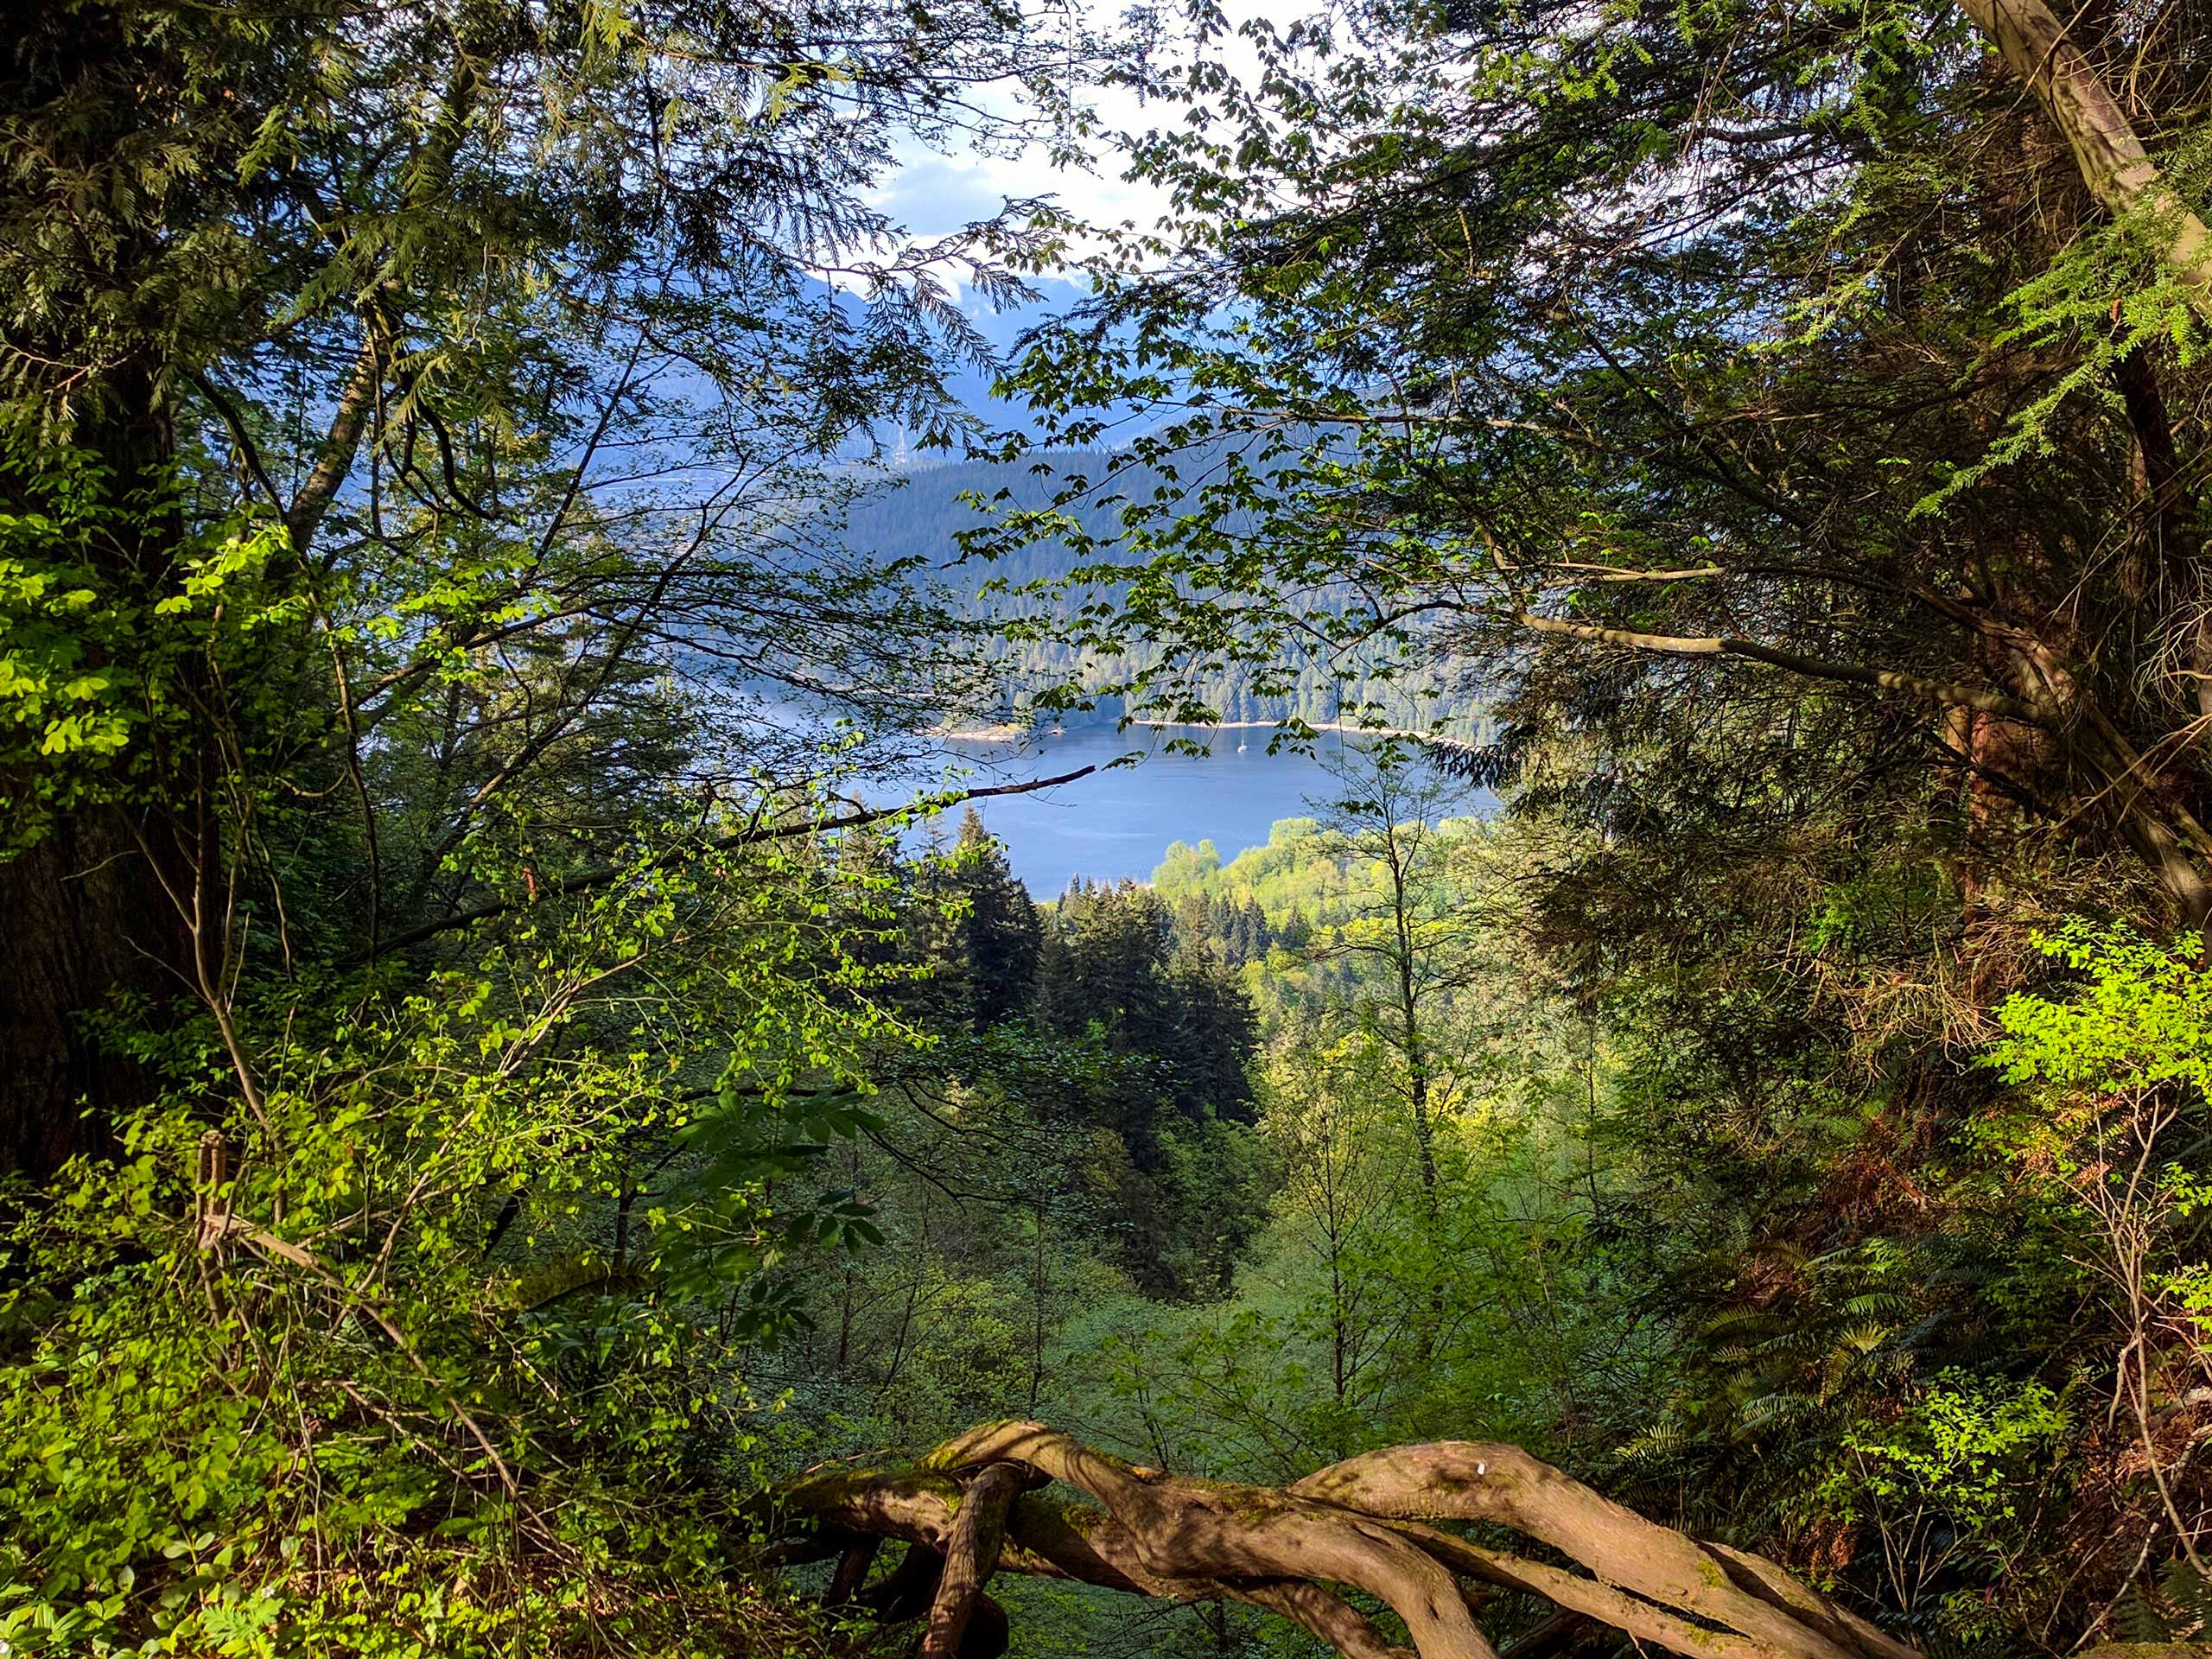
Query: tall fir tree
1001,935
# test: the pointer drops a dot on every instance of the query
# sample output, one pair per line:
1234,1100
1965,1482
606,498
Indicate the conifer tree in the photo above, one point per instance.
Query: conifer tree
388,393
1622,361
1000,932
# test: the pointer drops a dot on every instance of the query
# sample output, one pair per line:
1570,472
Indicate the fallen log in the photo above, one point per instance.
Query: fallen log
973,1508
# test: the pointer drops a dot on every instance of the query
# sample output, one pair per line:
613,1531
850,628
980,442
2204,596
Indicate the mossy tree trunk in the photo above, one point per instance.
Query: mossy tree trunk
1372,1524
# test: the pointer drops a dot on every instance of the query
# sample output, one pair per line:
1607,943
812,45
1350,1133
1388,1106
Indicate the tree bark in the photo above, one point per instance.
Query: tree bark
2107,148
1364,1524
85,910
85,918
971,1556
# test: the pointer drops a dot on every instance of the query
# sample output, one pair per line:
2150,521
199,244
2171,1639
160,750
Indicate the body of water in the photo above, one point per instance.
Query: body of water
1119,820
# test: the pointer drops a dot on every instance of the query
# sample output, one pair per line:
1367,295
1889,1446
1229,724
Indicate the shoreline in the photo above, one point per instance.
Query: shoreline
1011,733
980,735
1341,727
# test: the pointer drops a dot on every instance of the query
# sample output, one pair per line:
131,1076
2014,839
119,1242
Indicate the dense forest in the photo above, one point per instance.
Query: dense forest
525,1129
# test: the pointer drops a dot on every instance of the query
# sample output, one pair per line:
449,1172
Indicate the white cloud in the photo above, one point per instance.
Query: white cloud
934,195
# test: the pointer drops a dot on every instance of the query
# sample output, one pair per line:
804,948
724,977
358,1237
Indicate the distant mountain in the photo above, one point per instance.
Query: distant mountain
1002,332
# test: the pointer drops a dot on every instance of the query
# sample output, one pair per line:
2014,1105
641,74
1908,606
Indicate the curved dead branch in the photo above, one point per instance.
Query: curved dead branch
971,1554
1368,1525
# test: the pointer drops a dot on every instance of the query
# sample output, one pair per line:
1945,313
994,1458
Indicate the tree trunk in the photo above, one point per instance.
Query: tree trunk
84,912
88,912
85,918
2110,154
1364,1525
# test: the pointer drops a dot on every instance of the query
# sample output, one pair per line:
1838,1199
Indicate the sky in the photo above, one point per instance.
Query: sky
932,194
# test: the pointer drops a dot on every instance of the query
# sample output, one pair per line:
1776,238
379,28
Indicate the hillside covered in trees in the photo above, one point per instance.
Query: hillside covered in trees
1010,593
524,1131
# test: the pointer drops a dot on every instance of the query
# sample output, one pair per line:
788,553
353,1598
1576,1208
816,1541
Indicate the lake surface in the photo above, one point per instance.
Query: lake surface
1119,820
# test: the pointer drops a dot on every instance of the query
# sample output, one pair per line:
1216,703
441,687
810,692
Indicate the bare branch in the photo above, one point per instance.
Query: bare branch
971,1556
599,875
1881,679
1293,1549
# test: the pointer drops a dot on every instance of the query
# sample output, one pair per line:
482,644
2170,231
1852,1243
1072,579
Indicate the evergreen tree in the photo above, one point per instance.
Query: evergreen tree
1213,1038
361,368
1001,937
1109,974
1649,395
933,938
1252,935
1228,935
1115,966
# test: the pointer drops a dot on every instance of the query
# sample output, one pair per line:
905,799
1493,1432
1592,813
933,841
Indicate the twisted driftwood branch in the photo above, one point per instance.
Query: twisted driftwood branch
969,1509
972,1554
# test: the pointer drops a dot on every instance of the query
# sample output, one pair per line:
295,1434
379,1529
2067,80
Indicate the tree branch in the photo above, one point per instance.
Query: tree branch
971,1556
2107,148
1881,679
304,517
1293,1549
599,874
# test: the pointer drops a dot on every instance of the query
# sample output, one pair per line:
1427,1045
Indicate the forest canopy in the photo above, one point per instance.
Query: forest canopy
537,1117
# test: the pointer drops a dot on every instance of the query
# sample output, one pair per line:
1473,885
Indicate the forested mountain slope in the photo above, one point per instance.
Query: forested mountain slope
929,513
